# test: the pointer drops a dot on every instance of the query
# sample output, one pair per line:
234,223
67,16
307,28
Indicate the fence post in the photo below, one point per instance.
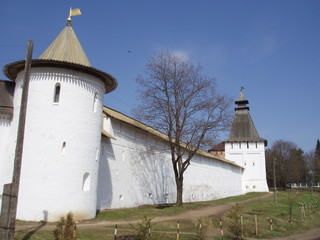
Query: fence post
256,223
241,222
221,229
178,231
115,232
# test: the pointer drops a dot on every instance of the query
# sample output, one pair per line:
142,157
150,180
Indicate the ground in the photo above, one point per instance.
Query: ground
191,215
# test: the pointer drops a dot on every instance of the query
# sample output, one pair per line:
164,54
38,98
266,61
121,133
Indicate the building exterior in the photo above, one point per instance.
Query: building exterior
245,147
80,156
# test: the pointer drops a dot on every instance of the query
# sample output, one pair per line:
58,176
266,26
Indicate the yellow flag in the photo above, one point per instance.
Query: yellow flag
75,12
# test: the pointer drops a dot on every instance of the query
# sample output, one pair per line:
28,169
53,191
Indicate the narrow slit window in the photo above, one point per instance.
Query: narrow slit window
56,96
247,145
86,182
95,102
97,154
64,144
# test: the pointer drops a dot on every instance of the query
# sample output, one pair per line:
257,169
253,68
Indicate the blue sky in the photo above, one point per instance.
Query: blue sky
271,48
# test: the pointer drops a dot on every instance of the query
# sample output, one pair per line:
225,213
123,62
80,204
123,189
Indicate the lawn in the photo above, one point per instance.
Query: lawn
264,210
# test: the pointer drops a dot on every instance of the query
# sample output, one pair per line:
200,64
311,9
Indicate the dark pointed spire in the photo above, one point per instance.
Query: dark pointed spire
243,128
241,102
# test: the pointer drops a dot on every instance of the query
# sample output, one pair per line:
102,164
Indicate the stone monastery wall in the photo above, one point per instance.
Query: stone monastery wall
136,169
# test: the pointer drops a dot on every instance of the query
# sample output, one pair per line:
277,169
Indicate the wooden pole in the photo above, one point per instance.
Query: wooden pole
178,230
274,181
241,222
256,223
115,232
7,232
221,229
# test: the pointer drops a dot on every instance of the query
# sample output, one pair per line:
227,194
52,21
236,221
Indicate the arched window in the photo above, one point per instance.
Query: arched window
64,144
86,182
56,96
95,102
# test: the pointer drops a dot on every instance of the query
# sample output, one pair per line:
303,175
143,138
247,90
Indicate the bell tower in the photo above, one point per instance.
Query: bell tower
63,131
246,148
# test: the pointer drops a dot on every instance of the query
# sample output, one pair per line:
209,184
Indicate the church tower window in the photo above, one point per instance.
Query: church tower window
64,144
95,102
56,96
86,182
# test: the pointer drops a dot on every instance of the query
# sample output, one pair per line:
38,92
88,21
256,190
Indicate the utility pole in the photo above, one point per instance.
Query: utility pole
11,191
274,181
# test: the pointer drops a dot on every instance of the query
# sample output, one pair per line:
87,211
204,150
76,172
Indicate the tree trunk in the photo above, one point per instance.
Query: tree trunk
179,182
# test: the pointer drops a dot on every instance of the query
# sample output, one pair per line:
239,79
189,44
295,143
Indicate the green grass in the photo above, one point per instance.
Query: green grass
264,208
163,210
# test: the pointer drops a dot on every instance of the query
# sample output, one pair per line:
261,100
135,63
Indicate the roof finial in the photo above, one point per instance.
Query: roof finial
241,96
73,12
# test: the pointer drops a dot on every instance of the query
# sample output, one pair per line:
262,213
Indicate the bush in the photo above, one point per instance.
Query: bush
66,228
234,223
143,229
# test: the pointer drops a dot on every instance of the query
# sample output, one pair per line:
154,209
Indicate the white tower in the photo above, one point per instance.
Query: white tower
63,131
6,115
247,149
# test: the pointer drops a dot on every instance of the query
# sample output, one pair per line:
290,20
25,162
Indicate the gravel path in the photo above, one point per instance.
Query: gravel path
191,215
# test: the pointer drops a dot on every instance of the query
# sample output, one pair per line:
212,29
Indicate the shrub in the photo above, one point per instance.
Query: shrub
66,228
143,229
234,223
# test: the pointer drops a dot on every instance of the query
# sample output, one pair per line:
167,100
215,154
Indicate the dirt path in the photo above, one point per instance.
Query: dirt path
191,215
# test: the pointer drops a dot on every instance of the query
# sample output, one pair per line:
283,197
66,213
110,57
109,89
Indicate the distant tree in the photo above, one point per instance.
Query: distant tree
290,164
316,163
179,101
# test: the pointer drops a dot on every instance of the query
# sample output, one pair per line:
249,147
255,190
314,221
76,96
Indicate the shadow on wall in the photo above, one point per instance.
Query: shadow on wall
155,178
104,191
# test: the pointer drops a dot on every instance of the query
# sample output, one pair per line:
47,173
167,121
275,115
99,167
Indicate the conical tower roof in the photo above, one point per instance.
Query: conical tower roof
66,47
243,128
64,52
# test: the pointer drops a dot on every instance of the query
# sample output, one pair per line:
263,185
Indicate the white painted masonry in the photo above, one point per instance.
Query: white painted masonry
59,165
136,169
251,156
81,157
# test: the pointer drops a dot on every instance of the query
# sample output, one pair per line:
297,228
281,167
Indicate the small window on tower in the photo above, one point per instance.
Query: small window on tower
56,96
95,102
64,144
86,182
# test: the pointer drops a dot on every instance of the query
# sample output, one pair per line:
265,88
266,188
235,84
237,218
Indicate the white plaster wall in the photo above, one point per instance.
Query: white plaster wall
4,133
136,169
251,156
52,178
208,179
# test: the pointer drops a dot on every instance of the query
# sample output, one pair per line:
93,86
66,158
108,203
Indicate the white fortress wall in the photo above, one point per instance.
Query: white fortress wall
251,156
208,179
4,164
136,169
61,148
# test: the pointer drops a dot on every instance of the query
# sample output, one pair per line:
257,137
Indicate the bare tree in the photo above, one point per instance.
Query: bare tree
290,164
179,101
